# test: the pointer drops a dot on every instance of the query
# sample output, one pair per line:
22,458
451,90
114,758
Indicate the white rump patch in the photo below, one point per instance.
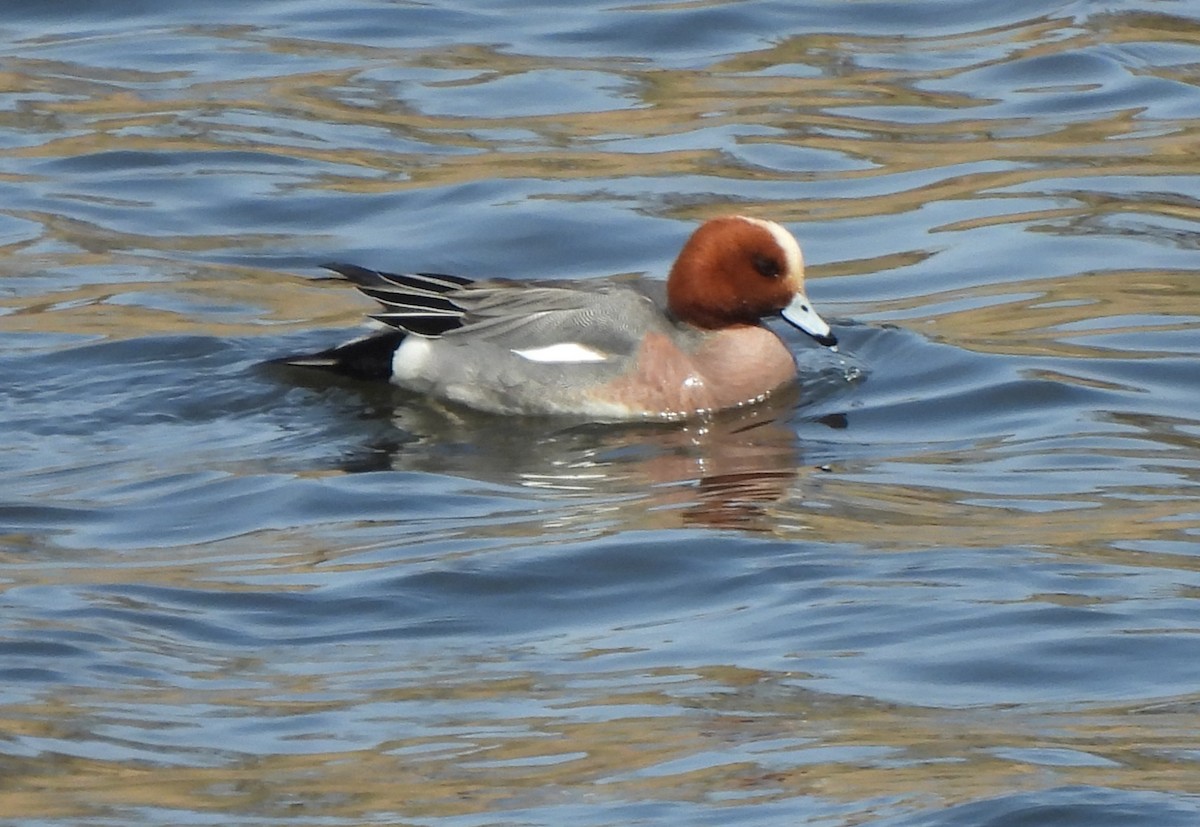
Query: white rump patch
563,352
410,358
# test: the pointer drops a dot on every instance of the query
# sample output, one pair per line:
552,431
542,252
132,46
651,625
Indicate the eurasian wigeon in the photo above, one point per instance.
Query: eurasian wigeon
613,349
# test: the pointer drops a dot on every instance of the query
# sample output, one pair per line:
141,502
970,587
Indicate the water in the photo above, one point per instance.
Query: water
951,580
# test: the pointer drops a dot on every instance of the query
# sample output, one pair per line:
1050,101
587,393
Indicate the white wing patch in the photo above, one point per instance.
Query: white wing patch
562,353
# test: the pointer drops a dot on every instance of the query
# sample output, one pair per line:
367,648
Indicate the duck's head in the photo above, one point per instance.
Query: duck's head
737,270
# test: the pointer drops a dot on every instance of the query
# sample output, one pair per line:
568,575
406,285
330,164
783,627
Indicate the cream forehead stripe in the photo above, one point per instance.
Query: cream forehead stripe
785,240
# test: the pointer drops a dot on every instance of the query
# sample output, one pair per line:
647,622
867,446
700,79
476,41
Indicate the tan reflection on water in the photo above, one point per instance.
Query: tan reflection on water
784,742
1093,526
97,112
1033,316
708,735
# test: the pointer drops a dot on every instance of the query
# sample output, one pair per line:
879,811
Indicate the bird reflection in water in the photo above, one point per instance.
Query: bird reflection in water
725,471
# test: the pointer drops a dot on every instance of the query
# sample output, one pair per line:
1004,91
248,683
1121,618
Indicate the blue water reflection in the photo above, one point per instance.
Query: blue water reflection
949,578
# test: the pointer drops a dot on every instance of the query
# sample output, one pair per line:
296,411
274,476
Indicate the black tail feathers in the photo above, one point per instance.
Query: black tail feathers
366,358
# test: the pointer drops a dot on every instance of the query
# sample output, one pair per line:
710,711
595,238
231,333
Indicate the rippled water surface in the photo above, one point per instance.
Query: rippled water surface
951,579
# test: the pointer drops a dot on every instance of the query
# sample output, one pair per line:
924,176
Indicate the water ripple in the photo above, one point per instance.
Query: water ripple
949,578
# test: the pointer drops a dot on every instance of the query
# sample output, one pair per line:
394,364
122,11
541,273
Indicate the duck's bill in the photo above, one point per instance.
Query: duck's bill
800,314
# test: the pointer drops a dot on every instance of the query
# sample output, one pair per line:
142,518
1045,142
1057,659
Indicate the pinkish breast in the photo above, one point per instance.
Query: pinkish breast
743,364
728,367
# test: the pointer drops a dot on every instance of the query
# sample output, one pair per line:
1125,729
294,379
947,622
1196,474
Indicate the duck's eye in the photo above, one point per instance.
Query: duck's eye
767,266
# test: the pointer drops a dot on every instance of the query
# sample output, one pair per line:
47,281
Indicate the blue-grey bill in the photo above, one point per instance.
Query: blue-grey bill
800,313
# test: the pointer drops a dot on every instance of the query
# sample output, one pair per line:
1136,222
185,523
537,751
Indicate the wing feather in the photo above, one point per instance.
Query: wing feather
603,316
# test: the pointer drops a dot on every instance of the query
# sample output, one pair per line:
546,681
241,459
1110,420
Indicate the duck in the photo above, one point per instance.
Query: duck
606,349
